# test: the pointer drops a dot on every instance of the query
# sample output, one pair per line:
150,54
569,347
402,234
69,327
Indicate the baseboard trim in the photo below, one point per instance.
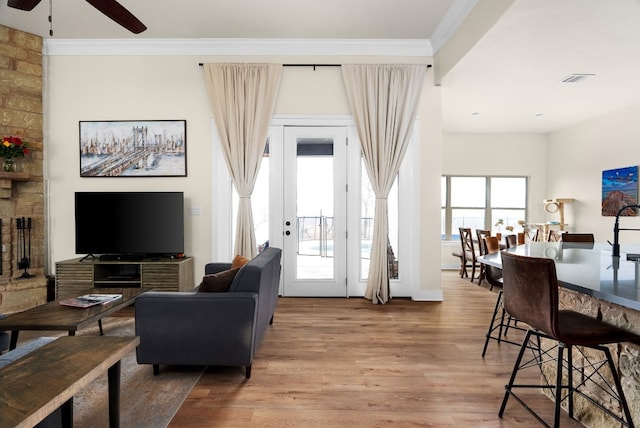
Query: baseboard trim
427,296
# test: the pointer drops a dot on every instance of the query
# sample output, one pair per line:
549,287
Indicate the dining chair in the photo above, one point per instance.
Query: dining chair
501,321
554,236
511,240
481,234
469,251
578,237
491,245
520,239
578,240
530,292
532,235
459,254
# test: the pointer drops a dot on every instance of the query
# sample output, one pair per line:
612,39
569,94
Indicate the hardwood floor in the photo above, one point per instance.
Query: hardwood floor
345,362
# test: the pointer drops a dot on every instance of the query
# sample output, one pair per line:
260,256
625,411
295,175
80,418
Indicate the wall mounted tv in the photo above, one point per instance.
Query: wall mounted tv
129,225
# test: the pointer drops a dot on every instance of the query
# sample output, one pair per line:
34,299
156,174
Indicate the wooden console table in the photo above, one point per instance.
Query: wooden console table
37,384
75,275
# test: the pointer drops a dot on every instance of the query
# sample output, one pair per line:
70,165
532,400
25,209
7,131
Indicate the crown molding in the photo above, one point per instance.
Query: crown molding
221,47
450,22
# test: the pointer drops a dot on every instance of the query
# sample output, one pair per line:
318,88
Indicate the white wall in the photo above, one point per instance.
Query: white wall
124,88
576,158
564,164
431,170
497,154
139,87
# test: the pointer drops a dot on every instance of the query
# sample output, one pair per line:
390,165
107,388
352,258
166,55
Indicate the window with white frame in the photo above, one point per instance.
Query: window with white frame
498,204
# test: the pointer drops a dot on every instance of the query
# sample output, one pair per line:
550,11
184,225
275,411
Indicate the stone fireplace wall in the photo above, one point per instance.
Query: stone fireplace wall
22,192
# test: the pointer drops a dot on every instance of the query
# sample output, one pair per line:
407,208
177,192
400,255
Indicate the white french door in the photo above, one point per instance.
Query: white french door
315,211
312,199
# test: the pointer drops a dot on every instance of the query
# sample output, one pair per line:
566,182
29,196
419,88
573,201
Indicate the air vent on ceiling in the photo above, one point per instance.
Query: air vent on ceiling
577,78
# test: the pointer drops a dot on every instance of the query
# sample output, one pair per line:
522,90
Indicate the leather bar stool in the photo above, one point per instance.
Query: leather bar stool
501,321
530,289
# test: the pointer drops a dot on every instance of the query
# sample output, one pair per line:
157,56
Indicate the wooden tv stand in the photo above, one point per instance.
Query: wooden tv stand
77,275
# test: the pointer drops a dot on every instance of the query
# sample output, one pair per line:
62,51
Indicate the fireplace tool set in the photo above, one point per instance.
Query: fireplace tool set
24,246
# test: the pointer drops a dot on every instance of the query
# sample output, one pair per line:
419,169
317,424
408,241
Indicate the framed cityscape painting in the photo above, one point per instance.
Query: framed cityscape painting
619,188
143,148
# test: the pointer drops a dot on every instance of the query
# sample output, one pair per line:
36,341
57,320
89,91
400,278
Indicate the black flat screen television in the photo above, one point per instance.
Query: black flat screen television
129,224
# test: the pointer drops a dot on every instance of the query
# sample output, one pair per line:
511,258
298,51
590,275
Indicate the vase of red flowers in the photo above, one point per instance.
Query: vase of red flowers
10,149
9,165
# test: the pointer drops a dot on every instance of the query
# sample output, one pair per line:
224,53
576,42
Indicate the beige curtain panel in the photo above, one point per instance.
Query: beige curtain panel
384,101
242,98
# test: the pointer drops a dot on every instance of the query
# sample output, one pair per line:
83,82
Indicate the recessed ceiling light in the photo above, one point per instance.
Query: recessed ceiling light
539,114
475,113
577,78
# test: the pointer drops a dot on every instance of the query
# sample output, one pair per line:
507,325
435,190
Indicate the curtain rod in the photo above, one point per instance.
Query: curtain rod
313,65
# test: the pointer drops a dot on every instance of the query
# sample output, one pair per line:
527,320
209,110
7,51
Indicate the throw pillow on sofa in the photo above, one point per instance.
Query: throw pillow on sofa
218,282
239,261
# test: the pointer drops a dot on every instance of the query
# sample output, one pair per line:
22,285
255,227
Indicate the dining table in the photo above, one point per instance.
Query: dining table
588,268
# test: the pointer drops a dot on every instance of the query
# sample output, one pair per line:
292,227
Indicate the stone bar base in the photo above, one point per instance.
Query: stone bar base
625,355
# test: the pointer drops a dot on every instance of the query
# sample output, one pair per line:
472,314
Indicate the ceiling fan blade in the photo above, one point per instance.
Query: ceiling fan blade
23,4
119,14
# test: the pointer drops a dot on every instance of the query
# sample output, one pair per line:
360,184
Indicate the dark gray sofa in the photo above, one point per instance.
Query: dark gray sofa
210,329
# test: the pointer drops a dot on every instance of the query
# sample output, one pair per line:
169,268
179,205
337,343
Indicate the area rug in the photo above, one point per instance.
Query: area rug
145,400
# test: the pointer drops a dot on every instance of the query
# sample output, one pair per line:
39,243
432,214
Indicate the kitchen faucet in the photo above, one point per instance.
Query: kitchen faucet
615,252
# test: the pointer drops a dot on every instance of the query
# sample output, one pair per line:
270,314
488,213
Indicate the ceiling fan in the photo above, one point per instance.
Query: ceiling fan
111,8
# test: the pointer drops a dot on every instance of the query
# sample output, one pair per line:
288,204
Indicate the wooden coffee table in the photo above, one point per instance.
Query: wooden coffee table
54,316
47,378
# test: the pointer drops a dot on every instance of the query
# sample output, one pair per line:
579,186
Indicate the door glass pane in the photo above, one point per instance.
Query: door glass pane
314,210
260,203
366,230
367,212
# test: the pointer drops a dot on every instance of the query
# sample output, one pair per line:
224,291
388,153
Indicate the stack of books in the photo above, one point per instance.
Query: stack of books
88,300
